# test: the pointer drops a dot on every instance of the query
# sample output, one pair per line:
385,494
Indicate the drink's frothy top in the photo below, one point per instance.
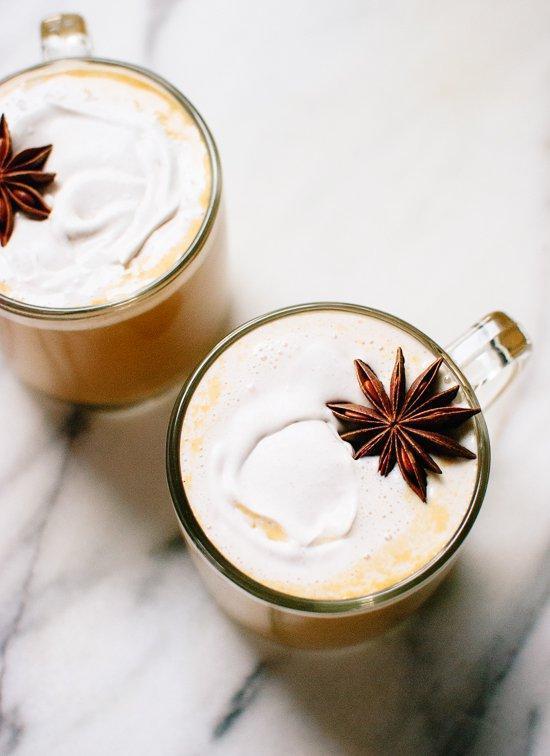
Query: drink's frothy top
132,185
276,489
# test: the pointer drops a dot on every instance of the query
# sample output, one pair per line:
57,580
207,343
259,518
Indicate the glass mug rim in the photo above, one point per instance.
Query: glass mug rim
288,601
39,312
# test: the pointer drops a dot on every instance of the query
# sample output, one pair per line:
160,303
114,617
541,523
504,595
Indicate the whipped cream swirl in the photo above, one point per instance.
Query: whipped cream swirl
128,190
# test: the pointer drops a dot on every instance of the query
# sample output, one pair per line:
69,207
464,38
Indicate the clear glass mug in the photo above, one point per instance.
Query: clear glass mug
123,352
484,361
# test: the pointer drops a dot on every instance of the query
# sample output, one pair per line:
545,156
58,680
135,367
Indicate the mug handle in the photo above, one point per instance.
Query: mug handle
490,355
64,35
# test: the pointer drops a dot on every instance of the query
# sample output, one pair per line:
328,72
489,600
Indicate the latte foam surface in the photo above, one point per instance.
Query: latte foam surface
275,488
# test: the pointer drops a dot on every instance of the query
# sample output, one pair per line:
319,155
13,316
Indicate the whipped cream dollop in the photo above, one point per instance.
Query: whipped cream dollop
302,478
278,491
130,184
278,465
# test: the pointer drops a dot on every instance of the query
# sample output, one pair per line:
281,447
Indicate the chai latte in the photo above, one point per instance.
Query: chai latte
275,488
134,235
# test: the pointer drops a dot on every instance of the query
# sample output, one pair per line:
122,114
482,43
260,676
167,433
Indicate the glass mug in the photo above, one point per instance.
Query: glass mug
125,351
483,361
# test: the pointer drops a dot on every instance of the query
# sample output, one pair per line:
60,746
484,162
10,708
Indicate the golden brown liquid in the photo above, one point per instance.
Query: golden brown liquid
134,357
309,629
135,352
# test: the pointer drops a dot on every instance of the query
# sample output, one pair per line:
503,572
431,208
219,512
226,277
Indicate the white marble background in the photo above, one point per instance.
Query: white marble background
390,153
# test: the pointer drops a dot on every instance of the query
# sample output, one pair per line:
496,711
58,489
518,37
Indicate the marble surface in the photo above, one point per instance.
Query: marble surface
392,154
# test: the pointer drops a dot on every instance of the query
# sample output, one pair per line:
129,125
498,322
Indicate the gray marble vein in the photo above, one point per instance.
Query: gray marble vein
459,735
240,701
160,12
11,719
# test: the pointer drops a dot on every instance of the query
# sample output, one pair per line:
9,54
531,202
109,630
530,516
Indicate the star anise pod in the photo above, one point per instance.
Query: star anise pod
406,425
21,178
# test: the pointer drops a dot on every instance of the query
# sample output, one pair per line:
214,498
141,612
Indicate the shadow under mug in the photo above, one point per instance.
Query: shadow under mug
122,352
483,361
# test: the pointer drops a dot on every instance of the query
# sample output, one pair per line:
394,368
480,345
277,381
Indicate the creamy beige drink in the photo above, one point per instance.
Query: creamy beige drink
121,287
276,488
